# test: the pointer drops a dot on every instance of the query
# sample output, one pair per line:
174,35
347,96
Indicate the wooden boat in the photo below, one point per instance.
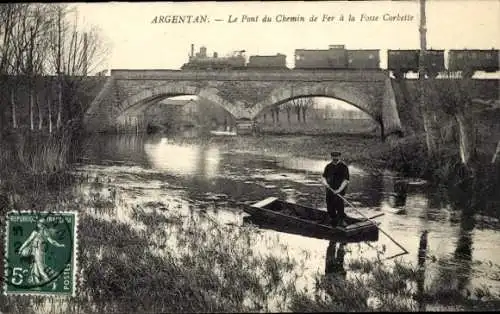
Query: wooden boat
223,133
298,219
310,232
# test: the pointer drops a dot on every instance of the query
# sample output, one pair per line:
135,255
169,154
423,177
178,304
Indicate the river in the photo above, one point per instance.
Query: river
213,176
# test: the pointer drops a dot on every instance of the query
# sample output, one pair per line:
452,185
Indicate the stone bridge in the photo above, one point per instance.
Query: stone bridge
244,94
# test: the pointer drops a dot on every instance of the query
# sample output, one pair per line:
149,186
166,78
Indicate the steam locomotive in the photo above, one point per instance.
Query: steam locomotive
200,61
337,57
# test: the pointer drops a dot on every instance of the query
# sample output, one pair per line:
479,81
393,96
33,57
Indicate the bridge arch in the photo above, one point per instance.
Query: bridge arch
147,97
347,94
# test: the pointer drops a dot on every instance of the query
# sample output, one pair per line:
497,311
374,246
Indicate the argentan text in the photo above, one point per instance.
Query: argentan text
180,19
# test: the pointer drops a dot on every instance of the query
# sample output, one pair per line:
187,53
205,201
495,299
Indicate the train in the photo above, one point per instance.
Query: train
338,57
473,60
267,62
201,61
403,61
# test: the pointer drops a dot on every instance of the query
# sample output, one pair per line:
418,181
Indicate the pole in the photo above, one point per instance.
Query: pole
354,207
428,123
422,55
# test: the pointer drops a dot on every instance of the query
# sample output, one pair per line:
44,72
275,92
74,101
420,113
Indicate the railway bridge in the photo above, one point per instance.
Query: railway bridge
244,94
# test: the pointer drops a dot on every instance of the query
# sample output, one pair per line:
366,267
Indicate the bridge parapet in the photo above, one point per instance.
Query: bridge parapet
252,75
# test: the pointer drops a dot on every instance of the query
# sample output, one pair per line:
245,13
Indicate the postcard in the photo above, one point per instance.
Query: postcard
282,156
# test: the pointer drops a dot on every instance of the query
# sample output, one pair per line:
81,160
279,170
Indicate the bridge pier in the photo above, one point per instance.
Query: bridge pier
390,122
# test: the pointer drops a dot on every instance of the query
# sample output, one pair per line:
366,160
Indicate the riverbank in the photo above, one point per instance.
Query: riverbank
361,148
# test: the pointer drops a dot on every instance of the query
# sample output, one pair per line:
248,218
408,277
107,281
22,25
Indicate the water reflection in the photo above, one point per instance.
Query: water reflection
116,148
210,174
183,160
455,270
334,264
463,251
401,192
422,254
370,188
437,199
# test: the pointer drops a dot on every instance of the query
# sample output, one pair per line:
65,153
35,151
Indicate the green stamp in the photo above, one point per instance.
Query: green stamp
40,253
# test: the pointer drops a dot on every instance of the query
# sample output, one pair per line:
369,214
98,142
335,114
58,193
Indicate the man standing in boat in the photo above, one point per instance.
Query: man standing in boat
336,176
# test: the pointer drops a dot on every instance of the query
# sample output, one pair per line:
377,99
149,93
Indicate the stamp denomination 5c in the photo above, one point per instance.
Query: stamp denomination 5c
40,253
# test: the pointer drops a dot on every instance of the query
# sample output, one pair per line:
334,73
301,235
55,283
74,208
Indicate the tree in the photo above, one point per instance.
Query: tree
9,14
455,101
277,110
48,99
28,44
72,55
288,107
308,103
7,20
496,154
301,106
427,112
38,39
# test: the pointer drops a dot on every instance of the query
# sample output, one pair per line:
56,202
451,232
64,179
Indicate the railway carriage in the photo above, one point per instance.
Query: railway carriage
363,59
434,62
402,61
267,62
474,60
333,58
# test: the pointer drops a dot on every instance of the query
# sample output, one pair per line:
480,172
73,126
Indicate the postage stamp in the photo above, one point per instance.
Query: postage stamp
40,253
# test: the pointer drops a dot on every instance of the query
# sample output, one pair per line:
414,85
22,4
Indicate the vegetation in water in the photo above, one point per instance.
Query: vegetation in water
166,258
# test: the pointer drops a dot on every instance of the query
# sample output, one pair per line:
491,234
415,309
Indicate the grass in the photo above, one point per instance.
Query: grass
360,148
32,160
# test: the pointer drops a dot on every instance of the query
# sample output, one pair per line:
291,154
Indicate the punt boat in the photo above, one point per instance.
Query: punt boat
273,213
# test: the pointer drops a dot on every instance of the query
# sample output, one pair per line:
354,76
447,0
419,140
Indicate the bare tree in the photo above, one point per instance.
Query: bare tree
496,153
297,105
49,108
277,110
301,106
455,100
26,48
428,113
8,14
7,20
308,103
288,107
37,39
73,55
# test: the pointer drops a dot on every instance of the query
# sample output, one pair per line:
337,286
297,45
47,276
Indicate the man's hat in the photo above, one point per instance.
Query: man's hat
335,154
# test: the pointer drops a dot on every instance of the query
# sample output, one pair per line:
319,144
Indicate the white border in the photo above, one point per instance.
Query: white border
74,254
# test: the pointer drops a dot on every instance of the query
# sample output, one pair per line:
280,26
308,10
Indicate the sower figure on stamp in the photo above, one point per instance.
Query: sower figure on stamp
35,246
336,175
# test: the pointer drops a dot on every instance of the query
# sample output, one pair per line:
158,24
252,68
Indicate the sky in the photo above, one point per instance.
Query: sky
137,43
